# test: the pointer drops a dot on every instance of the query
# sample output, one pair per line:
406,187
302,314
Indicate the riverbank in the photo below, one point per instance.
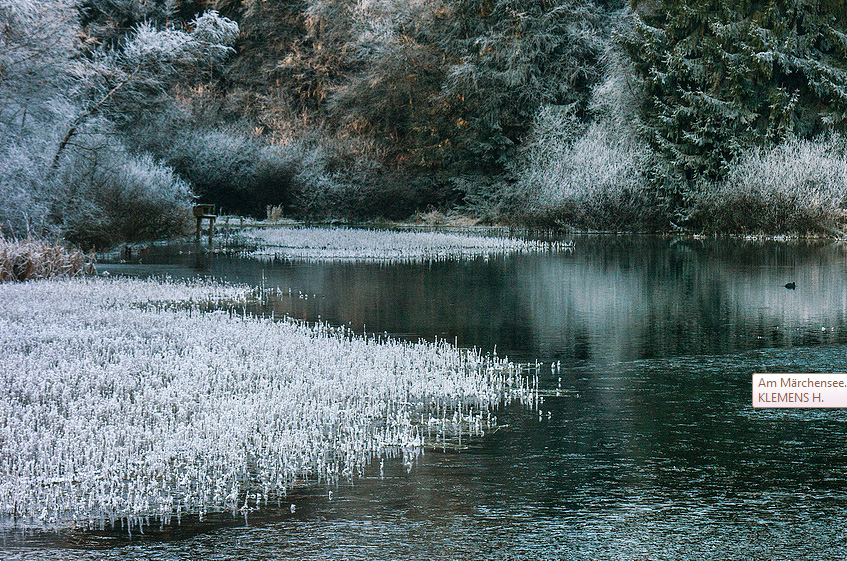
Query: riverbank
395,242
467,224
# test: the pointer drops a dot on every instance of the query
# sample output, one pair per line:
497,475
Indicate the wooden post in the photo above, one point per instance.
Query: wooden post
201,212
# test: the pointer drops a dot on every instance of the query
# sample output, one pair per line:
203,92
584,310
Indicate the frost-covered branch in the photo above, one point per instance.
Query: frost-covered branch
147,63
84,117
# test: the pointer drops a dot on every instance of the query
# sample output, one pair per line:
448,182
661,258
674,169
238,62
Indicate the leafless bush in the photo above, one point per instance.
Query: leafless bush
110,196
274,213
231,168
343,178
23,195
798,186
589,177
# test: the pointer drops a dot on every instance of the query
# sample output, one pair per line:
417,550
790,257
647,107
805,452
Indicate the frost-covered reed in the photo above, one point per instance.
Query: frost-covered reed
32,258
125,403
352,244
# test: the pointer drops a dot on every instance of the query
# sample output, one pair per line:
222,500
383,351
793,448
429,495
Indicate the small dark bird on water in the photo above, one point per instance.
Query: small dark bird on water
791,286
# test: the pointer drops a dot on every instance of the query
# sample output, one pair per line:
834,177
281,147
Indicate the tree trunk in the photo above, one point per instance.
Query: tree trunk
84,117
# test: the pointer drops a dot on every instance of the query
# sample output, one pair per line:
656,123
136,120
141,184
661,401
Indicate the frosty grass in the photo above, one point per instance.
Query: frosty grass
125,401
334,244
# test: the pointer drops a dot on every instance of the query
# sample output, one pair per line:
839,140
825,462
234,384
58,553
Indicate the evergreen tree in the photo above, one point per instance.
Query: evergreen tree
511,57
453,85
396,72
721,76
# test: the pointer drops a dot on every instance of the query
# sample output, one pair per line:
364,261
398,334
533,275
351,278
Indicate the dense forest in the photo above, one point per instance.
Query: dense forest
703,116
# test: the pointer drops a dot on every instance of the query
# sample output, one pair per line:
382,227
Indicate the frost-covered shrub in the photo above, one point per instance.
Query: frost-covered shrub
798,186
112,196
215,32
343,178
23,196
314,177
332,179
586,176
209,40
33,258
317,189
232,169
218,163
592,174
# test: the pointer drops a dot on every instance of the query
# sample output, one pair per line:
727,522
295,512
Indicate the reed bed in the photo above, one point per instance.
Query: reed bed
124,403
352,244
32,258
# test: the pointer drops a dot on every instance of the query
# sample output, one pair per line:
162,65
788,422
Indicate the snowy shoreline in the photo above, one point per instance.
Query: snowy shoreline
125,401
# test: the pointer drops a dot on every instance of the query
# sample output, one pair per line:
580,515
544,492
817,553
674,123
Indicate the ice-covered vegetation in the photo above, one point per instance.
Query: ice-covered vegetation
795,186
590,177
125,403
355,244
31,258
341,109
67,98
117,196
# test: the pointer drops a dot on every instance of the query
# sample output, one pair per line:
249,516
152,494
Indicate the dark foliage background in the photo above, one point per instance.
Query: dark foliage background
572,113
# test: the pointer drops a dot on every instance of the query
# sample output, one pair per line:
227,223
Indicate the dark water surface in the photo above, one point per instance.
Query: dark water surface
651,450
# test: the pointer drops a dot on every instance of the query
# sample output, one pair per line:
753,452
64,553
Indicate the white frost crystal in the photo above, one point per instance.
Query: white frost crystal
123,400
352,244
